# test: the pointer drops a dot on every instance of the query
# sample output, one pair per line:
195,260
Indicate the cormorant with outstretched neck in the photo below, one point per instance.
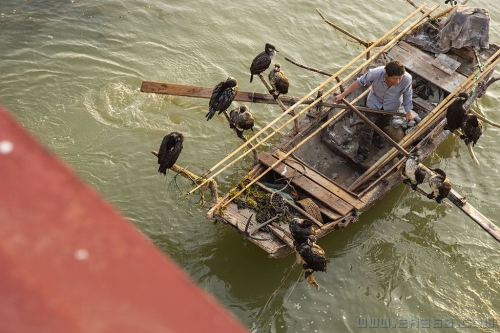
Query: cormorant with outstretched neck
262,61
170,149
440,185
278,81
455,114
222,96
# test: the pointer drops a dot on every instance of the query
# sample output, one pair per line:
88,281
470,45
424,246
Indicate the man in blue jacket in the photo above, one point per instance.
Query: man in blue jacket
390,88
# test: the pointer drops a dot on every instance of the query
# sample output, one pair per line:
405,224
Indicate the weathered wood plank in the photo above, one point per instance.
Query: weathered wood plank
329,199
474,214
320,179
185,90
274,246
421,63
205,92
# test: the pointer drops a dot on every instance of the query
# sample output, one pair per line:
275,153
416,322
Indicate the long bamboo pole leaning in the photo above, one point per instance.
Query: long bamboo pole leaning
375,127
431,118
328,122
322,85
484,222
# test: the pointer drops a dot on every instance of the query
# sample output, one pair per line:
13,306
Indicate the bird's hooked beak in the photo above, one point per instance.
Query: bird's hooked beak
460,98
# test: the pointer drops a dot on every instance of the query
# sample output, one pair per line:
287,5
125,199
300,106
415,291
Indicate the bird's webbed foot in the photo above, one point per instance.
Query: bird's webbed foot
439,199
239,133
430,195
414,187
406,181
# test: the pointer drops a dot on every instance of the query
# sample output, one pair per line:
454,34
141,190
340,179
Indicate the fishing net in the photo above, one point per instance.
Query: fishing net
178,188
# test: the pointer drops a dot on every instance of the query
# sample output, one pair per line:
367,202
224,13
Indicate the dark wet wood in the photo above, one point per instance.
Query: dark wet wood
474,214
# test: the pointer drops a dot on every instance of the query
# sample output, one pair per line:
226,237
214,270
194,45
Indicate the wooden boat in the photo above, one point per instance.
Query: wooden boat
310,173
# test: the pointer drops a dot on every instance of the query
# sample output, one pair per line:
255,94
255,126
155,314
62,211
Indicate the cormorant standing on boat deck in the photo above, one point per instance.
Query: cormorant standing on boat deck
415,174
456,112
222,96
262,61
169,151
241,119
314,258
278,81
472,129
440,185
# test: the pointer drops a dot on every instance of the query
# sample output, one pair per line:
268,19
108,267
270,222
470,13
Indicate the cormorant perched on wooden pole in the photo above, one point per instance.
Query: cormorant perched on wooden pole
278,81
415,174
440,185
472,128
455,114
222,96
241,119
170,149
262,61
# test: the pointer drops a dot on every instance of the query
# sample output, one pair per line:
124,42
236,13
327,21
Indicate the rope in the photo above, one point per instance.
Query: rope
479,70
274,295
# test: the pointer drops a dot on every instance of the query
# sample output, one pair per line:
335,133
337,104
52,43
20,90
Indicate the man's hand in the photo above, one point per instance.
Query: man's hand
409,116
339,97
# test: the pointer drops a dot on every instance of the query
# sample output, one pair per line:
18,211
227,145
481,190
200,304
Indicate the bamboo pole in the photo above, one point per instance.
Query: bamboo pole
483,118
365,43
431,118
315,70
413,4
325,83
375,127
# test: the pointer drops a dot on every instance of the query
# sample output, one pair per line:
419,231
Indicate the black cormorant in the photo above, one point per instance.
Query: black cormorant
222,96
262,61
440,185
169,151
456,112
241,119
314,258
472,129
278,81
301,230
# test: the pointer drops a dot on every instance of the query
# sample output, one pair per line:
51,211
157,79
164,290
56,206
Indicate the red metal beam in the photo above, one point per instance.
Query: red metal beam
69,262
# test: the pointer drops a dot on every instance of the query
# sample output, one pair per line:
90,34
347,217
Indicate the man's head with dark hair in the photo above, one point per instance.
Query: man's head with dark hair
395,68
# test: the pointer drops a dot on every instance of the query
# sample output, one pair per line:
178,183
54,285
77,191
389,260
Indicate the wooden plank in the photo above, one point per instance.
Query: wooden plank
186,90
237,218
329,199
320,179
421,64
474,214
166,88
446,63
